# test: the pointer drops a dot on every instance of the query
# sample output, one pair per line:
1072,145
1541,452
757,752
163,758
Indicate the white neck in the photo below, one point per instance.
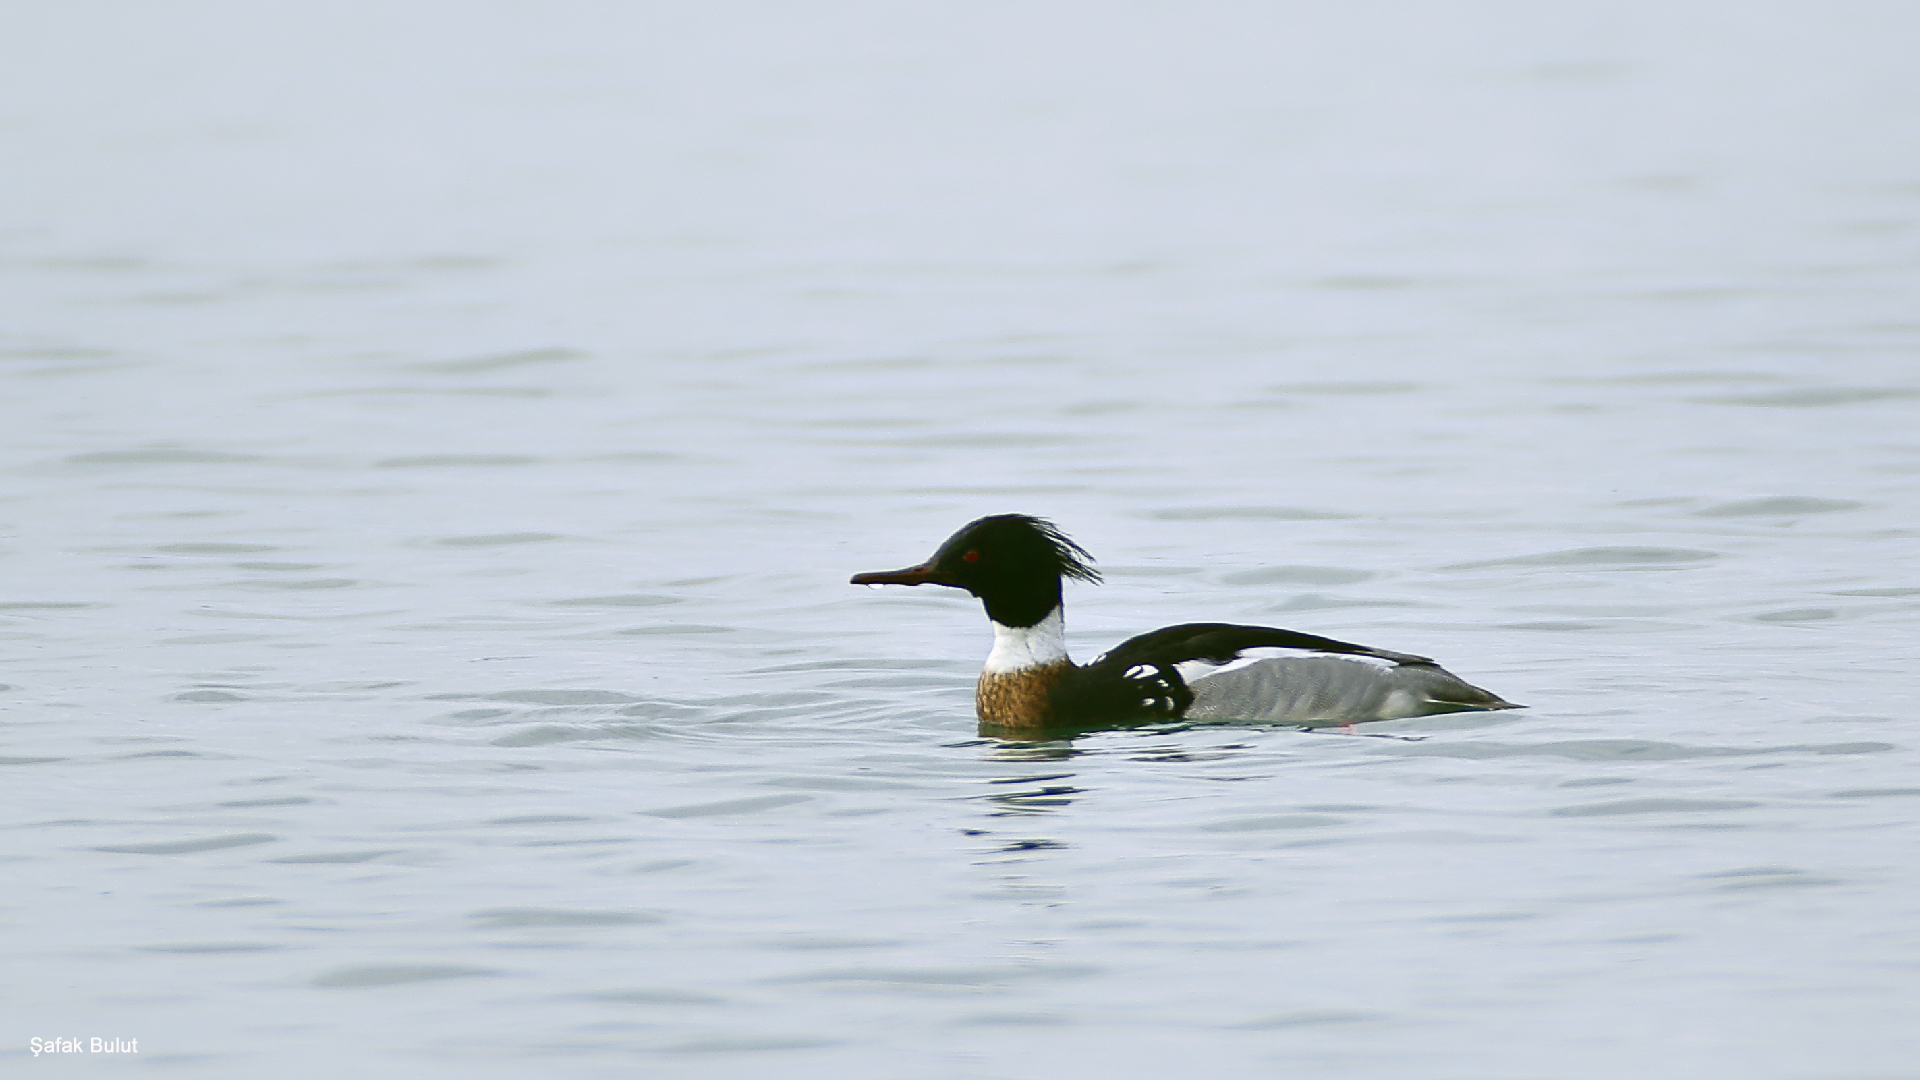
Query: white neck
1017,648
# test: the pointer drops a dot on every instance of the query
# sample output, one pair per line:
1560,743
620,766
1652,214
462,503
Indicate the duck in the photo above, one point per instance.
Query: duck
1016,564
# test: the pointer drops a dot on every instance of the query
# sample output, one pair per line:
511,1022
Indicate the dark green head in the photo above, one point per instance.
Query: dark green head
1012,562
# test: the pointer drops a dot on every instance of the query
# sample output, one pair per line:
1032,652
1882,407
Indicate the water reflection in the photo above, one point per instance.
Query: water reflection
1047,797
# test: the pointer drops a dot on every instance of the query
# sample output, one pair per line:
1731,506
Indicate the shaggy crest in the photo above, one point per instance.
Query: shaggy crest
1073,559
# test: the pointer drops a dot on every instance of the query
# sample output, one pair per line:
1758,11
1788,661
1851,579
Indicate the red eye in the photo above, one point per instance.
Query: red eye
971,556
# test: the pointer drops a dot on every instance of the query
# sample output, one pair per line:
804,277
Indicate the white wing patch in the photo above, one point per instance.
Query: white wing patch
1190,670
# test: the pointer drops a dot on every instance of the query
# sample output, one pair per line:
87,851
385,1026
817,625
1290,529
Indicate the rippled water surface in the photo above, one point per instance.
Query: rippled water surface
436,440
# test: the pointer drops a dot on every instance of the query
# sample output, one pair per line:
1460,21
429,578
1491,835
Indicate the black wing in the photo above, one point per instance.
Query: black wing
1218,643
1138,678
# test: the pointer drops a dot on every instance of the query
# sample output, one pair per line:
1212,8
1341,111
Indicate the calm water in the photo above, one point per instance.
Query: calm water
436,440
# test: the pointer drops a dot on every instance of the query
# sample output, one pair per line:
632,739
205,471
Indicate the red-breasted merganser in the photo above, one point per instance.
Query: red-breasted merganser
1015,564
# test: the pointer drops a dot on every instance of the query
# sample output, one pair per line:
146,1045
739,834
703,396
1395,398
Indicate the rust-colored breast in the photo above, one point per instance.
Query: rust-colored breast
1018,699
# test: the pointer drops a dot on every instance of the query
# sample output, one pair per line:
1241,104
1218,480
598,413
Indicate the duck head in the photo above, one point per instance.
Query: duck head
1012,562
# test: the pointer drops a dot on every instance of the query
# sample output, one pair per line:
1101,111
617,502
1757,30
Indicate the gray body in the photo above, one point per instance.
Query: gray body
1322,691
